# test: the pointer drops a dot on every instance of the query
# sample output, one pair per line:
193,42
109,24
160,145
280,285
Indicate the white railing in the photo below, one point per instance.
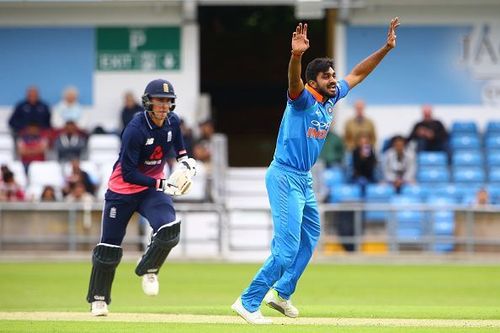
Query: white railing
82,225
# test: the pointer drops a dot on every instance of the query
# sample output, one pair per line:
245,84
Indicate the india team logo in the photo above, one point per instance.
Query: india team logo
318,129
330,110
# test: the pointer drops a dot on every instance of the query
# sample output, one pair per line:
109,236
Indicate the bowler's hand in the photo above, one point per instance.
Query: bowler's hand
391,34
300,43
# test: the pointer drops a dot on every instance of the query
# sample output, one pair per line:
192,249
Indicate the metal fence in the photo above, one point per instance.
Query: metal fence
467,235
76,226
73,226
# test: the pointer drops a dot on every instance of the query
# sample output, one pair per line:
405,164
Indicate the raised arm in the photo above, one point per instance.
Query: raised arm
365,67
300,44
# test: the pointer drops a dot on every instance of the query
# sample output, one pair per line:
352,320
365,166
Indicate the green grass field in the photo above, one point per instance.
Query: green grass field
330,291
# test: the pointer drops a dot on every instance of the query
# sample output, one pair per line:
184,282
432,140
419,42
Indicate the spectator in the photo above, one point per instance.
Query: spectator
399,164
78,193
48,194
358,125
333,150
32,145
78,176
130,108
10,190
69,109
482,197
31,110
202,150
70,143
364,162
429,134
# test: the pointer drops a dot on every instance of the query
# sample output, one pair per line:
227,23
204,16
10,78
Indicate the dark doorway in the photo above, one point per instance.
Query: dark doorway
244,56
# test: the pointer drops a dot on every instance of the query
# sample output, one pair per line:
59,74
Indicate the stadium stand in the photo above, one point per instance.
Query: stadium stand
345,193
428,158
464,127
333,176
409,223
493,141
467,158
494,175
442,221
381,193
473,174
43,173
103,148
493,159
7,148
433,174
465,141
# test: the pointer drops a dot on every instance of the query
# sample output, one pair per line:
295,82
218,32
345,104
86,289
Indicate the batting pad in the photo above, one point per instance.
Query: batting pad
165,239
105,258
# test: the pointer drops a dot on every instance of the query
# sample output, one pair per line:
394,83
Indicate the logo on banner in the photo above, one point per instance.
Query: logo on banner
481,54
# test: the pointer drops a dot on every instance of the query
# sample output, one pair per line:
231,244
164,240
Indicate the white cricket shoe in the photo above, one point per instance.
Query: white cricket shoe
274,301
99,308
251,317
150,284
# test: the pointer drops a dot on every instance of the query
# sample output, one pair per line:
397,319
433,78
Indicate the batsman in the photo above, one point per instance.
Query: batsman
138,184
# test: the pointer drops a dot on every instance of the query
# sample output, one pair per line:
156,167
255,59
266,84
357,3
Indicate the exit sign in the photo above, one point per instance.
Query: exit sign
138,49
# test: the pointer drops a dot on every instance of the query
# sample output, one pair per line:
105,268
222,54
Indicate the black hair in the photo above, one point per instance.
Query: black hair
318,65
398,137
208,121
7,176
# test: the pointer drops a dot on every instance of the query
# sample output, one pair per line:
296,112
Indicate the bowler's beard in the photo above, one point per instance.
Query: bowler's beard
325,93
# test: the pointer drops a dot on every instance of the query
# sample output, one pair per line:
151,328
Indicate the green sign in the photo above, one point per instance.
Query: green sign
138,49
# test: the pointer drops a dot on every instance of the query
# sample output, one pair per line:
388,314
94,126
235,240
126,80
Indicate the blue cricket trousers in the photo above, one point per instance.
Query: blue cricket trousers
155,206
296,232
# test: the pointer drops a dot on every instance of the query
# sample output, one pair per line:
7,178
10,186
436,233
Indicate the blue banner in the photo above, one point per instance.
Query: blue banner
428,65
50,58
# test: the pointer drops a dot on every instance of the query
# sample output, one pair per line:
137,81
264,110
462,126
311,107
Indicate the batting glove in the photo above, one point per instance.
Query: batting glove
189,164
166,187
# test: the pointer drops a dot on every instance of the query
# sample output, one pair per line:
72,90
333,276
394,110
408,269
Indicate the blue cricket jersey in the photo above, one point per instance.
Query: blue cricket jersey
304,127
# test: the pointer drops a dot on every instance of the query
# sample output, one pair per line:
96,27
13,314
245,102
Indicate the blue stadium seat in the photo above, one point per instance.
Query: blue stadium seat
428,158
469,174
465,141
494,175
448,190
414,190
465,190
434,174
333,176
493,126
494,193
493,159
468,199
493,142
409,223
378,193
430,188
443,221
467,158
469,127
345,193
